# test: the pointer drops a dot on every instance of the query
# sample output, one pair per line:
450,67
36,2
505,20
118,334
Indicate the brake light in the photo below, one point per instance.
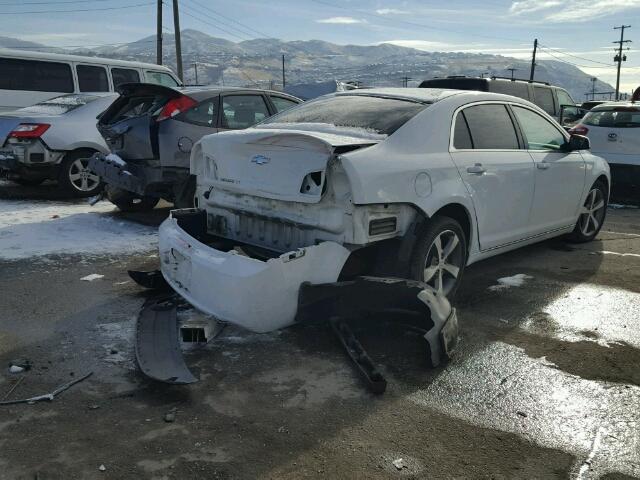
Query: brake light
579,130
29,130
176,106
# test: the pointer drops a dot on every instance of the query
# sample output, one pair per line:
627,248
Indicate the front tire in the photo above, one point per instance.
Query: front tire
592,214
440,255
75,176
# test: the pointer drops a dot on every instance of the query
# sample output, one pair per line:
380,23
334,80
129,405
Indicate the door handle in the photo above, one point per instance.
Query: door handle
543,165
477,169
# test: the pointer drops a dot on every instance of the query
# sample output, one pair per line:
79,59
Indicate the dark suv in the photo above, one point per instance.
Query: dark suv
548,97
150,130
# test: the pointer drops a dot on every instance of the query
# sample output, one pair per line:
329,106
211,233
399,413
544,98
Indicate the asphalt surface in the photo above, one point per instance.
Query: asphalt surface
545,382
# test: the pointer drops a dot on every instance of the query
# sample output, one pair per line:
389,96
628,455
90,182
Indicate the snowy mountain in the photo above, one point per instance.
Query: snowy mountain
259,62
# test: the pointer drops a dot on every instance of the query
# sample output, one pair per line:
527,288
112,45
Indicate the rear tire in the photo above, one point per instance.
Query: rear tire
76,178
128,202
440,255
592,214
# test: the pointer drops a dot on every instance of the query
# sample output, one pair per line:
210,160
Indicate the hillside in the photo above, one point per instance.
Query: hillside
259,62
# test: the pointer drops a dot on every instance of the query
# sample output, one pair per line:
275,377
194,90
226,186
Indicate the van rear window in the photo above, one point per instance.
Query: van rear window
629,118
35,76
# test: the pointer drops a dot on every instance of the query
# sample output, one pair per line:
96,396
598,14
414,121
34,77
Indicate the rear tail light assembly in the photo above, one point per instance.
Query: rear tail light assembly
29,130
579,130
176,106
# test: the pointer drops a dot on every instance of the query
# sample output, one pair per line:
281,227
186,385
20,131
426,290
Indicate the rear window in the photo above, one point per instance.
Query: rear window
507,87
374,114
160,78
60,105
35,76
613,118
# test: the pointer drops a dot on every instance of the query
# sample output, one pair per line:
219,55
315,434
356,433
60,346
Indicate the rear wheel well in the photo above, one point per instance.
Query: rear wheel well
460,215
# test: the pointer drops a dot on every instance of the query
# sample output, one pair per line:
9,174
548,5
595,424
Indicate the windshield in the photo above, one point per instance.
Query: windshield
619,118
60,105
374,115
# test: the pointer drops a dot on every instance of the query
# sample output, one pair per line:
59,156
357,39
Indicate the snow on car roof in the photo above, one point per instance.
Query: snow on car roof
430,95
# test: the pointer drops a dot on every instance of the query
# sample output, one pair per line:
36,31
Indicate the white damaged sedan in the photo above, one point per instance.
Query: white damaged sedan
408,183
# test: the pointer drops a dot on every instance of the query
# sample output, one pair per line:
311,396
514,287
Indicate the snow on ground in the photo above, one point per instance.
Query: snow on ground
36,228
507,282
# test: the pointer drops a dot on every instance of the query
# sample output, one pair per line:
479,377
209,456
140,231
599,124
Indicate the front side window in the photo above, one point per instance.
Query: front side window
92,78
629,118
376,115
242,111
124,75
491,128
539,133
564,98
35,76
282,104
544,99
161,78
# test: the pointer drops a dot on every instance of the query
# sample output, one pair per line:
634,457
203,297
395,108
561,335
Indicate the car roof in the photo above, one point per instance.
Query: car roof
612,106
208,90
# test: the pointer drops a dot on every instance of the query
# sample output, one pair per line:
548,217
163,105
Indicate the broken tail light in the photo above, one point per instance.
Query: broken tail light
29,130
176,106
579,130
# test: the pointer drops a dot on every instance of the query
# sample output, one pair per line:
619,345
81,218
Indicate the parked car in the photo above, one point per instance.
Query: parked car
54,140
614,132
548,97
409,183
150,130
27,78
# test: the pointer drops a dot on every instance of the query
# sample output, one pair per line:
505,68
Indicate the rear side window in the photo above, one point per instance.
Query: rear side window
544,99
461,135
124,75
491,127
35,76
613,119
203,114
160,78
92,78
506,87
282,104
538,131
242,111
375,114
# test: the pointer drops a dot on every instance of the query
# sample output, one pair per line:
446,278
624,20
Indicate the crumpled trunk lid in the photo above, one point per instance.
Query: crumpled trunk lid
280,164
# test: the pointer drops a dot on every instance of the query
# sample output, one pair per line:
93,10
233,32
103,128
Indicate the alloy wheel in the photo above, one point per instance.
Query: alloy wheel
83,179
592,213
444,262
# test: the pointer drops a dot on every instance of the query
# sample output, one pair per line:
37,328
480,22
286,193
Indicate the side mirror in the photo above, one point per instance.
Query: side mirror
577,142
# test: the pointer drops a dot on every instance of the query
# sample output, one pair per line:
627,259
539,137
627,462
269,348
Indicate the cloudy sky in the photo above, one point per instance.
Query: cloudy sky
575,31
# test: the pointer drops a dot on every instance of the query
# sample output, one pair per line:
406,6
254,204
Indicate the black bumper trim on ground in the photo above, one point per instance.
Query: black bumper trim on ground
126,177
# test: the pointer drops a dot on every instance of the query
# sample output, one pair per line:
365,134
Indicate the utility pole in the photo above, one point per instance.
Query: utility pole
176,31
619,57
159,34
593,88
284,80
405,81
512,70
533,60
195,68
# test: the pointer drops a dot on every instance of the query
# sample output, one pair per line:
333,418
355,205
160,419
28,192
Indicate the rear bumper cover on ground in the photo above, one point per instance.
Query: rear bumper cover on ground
117,173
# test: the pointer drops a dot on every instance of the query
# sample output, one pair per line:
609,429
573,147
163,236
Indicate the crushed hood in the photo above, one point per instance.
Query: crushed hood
277,163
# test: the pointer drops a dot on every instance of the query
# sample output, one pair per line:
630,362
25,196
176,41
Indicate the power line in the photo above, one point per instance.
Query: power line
80,10
12,4
192,15
246,27
575,56
570,63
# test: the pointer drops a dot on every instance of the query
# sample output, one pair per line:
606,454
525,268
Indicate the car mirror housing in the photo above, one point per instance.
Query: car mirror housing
577,142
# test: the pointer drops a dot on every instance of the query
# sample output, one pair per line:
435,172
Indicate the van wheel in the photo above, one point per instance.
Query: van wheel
440,255
76,178
592,214
128,202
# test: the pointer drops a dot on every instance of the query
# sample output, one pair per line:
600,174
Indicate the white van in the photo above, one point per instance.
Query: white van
27,78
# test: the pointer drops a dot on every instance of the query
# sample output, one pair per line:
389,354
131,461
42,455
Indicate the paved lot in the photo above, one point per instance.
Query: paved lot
545,383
